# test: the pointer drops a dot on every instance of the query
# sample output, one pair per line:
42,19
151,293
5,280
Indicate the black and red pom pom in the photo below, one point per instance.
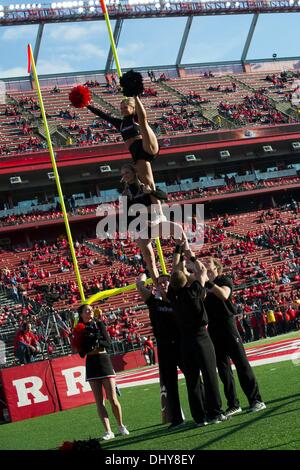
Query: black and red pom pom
132,83
80,96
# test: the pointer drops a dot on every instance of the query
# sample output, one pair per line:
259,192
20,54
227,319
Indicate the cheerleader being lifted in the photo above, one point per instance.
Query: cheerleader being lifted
140,139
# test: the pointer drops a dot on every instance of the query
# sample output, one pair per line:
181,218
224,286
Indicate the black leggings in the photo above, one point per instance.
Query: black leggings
228,345
168,359
199,355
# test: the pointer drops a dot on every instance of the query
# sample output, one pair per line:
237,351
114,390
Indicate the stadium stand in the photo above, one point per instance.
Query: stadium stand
177,106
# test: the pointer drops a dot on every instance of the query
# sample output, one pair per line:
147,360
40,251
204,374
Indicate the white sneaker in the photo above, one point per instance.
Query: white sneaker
233,411
108,435
123,430
218,419
201,424
257,406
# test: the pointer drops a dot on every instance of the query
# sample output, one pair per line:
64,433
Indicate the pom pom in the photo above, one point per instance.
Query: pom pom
80,96
132,83
87,444
79,327
67,445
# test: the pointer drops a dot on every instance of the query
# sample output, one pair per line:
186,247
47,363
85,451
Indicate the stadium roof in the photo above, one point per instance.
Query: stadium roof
16,14
90,10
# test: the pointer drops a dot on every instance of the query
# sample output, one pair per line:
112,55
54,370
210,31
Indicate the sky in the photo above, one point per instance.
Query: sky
73,47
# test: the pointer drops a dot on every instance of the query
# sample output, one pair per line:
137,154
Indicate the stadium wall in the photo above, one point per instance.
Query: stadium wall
55,385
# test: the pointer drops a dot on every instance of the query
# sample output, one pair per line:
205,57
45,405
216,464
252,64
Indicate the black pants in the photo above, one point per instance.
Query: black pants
198,355
168,359
228,345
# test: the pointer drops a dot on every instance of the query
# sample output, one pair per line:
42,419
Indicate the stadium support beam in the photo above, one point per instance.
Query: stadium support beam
249,37
117,33
37,45
38,41
184,39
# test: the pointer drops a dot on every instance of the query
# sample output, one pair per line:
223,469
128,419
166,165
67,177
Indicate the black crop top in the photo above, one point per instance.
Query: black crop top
127,126
136,195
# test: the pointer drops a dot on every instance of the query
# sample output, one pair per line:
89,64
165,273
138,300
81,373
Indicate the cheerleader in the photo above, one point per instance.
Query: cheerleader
138,193
91,339
140,139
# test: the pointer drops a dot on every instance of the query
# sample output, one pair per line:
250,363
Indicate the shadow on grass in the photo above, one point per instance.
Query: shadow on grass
284,444
229,429
268,413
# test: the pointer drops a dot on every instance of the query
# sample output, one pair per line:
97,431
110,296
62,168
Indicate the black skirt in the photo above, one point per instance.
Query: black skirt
99,366
138,153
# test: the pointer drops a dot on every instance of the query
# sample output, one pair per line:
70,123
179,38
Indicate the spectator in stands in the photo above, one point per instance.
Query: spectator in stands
26,344
151,351
271,323
246,326
55,90
91,340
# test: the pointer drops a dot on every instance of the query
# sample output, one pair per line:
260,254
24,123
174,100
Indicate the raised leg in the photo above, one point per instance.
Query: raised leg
150,143
149,257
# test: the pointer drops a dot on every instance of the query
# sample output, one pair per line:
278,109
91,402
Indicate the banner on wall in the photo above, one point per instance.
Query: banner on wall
29,390
59,384
69,377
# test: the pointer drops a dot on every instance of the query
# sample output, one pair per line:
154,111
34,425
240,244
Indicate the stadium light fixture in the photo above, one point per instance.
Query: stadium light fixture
92,9
80,3
80,10
53,5
23,6
1,8
91,3
291,2
59,5
1,14
11,7
228,4
28,6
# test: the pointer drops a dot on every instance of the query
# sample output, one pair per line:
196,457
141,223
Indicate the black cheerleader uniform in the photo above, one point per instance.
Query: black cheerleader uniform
128,127
135,195
98,362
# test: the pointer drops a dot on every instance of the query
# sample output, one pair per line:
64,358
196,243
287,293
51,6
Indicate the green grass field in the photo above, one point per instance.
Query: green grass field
274,428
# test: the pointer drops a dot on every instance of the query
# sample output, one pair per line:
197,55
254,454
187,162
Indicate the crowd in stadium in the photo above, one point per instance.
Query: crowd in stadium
255,108
231,186
270,306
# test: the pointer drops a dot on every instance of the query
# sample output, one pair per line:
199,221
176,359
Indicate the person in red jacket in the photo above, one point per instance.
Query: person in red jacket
25,344
151,351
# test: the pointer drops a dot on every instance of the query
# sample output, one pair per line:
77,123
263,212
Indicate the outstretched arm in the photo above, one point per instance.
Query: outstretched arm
116,122
142,289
